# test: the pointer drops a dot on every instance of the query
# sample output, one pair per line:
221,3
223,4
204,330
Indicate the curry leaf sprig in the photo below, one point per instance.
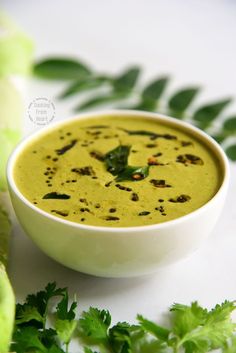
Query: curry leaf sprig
126,91
43,327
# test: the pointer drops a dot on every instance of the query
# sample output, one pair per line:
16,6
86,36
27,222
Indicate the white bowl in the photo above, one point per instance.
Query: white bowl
124,251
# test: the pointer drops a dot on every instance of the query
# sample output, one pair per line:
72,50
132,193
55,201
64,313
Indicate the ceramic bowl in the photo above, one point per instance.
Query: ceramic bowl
124,251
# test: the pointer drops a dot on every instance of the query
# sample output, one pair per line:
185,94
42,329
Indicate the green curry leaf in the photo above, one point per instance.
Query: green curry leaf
230,124
127,80
181,100
133,173
83,85
101,100
206,114
155,89
61,69
231,152
117,159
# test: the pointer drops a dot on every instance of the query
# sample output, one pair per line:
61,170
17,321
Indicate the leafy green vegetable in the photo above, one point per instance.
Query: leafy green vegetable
16,49
159,332
230,124
231,152
117,164
7,299
56,196
61,69
181,100
65,323
127,80
123,89
133,173
192,329
7,309
94,324
206,114
117,159
101,100
83,85
155,89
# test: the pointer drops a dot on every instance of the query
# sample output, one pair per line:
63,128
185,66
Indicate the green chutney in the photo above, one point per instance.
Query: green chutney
117,171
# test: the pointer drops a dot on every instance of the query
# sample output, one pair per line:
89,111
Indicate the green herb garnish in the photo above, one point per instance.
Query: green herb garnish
117,164
117,159
39,327
56,195
133,173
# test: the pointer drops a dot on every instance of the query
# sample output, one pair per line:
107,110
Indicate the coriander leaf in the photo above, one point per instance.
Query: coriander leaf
127,80
26,313
159,332
27,339
88,350
61,69
94,324
63,312
48,337
231,152
120,337
83,85
206,114
147,345
180,101
133,173
65,329
40,299
101,100
55,349
116,160
204,330
231,346
230,124
187,318
154,90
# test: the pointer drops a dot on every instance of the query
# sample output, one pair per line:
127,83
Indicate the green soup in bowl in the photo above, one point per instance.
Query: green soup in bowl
118,193
120,172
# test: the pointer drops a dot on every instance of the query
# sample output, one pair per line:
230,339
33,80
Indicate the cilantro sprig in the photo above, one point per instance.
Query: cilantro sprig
46,322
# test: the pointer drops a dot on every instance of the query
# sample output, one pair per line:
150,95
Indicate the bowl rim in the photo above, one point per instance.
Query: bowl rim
204,137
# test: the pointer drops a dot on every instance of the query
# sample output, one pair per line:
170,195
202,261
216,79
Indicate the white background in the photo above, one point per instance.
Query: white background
193,41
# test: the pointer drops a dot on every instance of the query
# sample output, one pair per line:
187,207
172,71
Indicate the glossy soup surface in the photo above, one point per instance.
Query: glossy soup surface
117,171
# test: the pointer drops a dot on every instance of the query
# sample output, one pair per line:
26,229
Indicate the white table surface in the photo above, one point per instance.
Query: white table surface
194,42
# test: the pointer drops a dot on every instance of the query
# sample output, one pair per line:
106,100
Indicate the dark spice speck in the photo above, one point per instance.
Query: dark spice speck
112,210
134,196
144,213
